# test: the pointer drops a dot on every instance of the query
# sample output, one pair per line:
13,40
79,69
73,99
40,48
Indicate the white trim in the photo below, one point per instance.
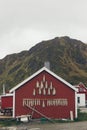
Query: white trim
14,104
76,105
7,95
82,99
35,74
62,80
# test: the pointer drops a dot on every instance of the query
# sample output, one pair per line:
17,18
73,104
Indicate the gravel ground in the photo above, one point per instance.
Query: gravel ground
59,126
49,126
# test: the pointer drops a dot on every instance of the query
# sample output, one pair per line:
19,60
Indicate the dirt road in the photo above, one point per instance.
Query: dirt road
59,126
50,126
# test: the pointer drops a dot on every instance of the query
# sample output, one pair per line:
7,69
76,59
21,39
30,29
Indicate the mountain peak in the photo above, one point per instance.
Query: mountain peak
67,56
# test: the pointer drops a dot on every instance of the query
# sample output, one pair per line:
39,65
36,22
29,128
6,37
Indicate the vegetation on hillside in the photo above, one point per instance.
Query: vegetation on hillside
67,57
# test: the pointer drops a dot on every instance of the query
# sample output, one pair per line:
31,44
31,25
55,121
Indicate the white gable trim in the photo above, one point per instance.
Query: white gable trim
39,71
7,95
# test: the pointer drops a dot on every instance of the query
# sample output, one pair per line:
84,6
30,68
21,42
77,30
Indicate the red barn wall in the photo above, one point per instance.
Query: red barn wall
6,102
51,111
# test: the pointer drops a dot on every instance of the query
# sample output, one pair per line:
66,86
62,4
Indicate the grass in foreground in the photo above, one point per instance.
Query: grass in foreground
81,116
8,122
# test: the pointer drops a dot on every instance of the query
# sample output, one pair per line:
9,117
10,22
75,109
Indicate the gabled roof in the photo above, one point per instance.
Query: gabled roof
38,72
81,85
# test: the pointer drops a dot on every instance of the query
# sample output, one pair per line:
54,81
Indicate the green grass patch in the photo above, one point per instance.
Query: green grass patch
9,122
81,116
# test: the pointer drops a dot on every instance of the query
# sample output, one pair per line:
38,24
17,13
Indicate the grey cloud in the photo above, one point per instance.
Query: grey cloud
46,19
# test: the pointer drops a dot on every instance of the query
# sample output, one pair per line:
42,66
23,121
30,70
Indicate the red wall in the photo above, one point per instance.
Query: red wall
62,92
6,102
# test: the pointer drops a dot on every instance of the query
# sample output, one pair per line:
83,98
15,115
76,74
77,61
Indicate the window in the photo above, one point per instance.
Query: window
78,99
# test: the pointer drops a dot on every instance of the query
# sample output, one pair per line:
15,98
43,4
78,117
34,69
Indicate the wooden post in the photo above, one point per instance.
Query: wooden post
71,115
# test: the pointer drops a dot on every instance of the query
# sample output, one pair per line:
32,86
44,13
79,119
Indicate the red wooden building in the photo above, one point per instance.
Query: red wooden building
81,95
6,103
44,94
82,89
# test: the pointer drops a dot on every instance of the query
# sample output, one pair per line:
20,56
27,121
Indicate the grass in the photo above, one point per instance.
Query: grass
8,122
81,116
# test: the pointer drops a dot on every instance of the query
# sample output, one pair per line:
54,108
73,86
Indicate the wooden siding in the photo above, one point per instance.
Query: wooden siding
54,110
6,102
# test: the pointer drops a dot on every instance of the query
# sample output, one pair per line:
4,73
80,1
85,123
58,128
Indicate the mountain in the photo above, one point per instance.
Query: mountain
67,57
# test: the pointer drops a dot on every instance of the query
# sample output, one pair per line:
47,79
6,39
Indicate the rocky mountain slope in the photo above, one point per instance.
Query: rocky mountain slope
67,57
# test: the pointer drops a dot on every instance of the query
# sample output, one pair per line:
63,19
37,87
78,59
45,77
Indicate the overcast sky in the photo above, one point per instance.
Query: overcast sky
24,23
